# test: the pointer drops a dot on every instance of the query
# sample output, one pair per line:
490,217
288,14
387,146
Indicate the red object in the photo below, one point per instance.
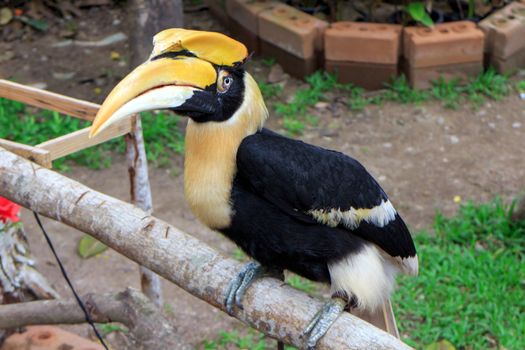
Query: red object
8,210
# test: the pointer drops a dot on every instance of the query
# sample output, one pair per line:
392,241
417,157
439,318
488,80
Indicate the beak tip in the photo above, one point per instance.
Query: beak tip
92,133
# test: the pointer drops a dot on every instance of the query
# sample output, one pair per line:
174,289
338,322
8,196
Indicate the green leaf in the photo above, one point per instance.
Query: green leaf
38,24
427,20
440,345
471,8
416,10
89,246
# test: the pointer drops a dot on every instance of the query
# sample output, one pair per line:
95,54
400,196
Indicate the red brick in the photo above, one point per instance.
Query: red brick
292,30
245,12
505,30
46,338
371,76
511,64
293,65
218,10
422,77
447,43
363,42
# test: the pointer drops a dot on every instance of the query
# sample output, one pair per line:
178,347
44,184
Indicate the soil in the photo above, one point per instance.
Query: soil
422,155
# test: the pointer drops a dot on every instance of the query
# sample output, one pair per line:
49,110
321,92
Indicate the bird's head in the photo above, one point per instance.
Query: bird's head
197,74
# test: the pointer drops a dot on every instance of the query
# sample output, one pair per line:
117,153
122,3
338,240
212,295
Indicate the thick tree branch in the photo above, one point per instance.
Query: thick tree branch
269,305
147,327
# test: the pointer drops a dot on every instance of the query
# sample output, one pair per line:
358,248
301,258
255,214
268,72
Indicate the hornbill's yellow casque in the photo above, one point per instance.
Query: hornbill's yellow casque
287,204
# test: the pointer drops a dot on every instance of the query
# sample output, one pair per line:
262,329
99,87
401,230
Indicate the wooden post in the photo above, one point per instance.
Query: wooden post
150,17
140,191
269,305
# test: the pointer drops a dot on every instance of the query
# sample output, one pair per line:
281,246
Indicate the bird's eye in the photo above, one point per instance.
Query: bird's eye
224,82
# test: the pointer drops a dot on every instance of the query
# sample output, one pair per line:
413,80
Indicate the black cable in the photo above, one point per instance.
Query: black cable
64,273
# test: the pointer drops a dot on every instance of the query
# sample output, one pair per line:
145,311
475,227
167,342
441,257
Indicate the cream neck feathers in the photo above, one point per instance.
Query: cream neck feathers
211,150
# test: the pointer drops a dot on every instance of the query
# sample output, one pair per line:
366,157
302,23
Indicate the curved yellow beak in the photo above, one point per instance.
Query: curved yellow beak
157,84
181,63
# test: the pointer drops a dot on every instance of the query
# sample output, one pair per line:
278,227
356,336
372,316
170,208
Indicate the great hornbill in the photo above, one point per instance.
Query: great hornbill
287,204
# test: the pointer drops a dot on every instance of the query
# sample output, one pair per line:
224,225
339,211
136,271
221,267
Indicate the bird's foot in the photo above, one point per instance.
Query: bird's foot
323,320
239,284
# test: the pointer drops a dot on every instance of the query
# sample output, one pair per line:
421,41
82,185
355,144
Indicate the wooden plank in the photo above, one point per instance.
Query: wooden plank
79,140
48,100
37,155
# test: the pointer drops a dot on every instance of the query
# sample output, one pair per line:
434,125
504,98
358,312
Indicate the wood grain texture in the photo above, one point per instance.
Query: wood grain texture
140,192
48,100
79,140
37,155
269,305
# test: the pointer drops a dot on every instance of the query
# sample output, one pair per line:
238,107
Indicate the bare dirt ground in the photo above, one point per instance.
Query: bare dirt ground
422,155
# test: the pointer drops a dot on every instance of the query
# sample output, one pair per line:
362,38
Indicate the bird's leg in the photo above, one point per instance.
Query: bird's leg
244,279
323,320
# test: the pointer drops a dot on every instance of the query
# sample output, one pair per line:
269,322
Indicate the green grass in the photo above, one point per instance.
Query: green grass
268,61
451,93
107,328
471,286
302,284
32,126
400,91
296,114
488,84
520,86
447,91
239,255
270,90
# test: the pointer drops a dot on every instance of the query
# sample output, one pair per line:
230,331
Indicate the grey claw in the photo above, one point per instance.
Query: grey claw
228,301
239,284
322,321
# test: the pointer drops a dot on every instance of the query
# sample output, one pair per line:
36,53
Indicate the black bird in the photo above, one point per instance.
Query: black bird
287,204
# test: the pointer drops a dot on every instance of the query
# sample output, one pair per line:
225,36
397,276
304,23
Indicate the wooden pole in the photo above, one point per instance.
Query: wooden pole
140,191
269,305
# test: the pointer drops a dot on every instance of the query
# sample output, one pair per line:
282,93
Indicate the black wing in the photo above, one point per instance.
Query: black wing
315,184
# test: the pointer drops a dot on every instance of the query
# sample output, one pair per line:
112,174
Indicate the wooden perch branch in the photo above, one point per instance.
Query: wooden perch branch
37,155
148,328
48,100
78,140
269,306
